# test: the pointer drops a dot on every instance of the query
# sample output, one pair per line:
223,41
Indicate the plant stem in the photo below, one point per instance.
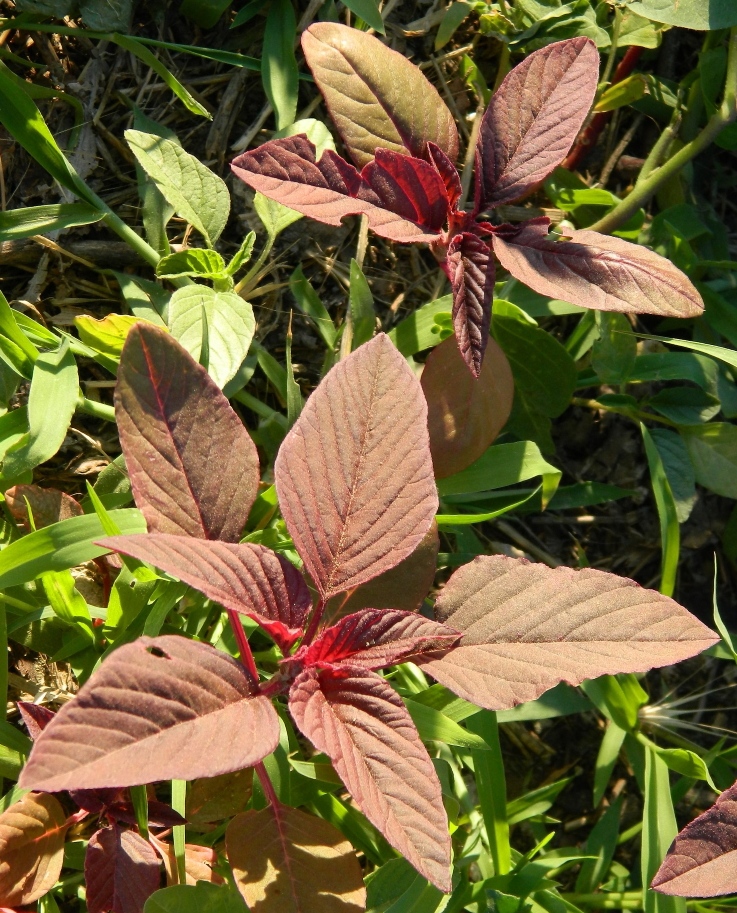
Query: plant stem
244,648
314,623
645,190
266,784
635,415
96,410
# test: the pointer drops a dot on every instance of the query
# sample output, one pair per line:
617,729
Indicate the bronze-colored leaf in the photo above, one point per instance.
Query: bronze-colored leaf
47,505
211,799
121,871
354,475
193,466
32,835
160,708
362,725
285,861
375,96
464,415
528,627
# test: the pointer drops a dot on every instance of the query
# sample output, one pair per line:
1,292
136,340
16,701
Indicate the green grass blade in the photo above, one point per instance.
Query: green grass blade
492,789
670,532
658,831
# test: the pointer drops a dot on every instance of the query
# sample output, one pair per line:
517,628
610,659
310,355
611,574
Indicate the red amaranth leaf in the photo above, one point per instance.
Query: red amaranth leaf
533,118
32,835
596,271
528,627
47,505
471,271
121,871
448,172
286,861
376,97
464,414
354,475
360,722
159,814
247,578
403,198
375,638
702,860
192,464
160,708
36,717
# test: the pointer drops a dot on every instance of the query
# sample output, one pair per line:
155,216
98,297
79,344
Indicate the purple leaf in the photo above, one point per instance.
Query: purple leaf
701,860
528,627
596,271
375,96
121,871
359,721
159,814
95,800
534,117
159,708
192,464
403,198
471,270
354,475
464,414
36,717
448,172
375,638
247,578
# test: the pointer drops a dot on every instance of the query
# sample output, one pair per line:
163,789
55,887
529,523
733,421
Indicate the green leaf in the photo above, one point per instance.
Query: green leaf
197,195
205,264
37,220
501,465
51,404
361,304
60,546
204,12
433,725
146,300
64,598
615,350
242,255
659,828
468,519
670,533
166,76
230,327
107,335
274,217
704,15
420,330
200,898
602,843
294,394
678,469
713,452
685,405
108,16
728,356
684,762
638,31
606,760
308,301
314,130
278,64
23,351
455,14
618,697
367,10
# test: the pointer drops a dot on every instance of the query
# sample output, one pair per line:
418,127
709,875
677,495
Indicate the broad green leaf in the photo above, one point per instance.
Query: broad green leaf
638,31
670,534
60,546
685,405
704,15
713,452
361,304
500,466
37,220
107,335
368,10
110,16
433,725
658,830
274,217
152,61
421,329
51,404
206,264
64,598
618,697
147,300
13,427
230,327
199,898
678,469
685,762
197,194
614,352
278,63
622,93
129,596
24,353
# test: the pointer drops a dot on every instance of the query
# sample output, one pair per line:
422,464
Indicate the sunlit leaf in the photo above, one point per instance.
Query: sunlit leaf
354,475
359,721
192,464
376,96
528,627
471,270
157,709
285,861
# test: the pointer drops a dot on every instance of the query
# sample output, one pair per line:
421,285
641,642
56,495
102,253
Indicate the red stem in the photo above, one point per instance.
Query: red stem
315,620
244,648
266,784
589,137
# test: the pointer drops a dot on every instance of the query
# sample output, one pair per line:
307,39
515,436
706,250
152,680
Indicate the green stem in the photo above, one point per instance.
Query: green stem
96,410
126,233
613,50
615,900
644,191
246,280
492,789
661,148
